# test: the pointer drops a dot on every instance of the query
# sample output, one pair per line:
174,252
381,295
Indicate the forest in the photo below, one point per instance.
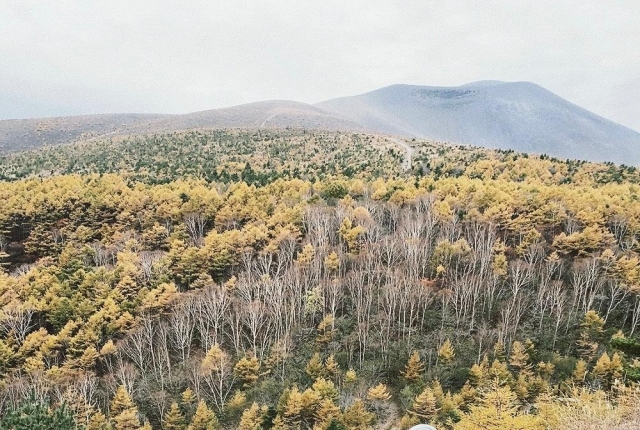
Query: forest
301,280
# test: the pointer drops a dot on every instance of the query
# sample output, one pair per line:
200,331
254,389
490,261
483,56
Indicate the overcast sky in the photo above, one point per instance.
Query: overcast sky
77,57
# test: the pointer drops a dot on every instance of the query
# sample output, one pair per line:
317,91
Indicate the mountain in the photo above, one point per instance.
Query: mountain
24,134
509,115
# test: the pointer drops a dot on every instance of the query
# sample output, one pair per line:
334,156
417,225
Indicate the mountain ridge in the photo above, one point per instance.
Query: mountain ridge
521,116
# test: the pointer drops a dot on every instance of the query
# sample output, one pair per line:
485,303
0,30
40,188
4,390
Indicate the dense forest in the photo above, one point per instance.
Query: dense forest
303,280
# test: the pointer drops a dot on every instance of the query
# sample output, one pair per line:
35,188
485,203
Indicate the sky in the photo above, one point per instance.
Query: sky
68,57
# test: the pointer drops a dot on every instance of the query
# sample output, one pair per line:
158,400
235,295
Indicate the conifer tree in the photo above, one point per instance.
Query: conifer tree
602,367
98,421
497,410
203,418
479,372
467,395
356,416
414,368
378,393
446,353
424,405
521,387
325,389
546,369
174,420
314,367
498,352
519,357
580,372
325,330
124,413
34,414
188,402
591,330
350,378
326,412
332,368
332,262
499,370
252,418
247,369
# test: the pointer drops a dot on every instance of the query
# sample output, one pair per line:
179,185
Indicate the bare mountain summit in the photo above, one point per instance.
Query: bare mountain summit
509,115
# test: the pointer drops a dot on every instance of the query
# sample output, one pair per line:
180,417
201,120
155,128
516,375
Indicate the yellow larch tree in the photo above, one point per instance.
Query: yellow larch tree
446,353
252,417
247,369
203,418
357,417
174,420
414,368
124,413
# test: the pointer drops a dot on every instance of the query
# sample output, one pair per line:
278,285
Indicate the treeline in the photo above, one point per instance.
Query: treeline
259,157
254,157
329,304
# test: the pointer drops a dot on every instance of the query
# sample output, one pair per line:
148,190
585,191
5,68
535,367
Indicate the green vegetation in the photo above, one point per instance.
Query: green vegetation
33,414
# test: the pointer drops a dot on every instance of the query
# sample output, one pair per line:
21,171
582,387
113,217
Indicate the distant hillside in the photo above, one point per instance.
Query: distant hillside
521,116
18,135
24,134
267,114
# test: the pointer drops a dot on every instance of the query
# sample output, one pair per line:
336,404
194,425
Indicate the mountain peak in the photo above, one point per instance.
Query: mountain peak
522,116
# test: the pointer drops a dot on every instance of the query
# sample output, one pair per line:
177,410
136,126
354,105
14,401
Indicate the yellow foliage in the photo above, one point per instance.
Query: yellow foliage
446,353
356,416
314,367
247,369
378,393
252,417
203,418
414,368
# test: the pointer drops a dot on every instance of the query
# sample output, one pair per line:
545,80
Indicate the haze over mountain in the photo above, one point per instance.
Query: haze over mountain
509,115
521,116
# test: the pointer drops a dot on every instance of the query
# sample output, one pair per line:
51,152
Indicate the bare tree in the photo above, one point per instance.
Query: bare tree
16,318
147,261
4,243
181,327
518,302
557,303
195,223
587,284
212,305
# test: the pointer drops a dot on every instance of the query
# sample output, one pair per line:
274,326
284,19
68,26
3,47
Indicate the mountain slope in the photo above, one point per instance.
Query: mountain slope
17,135
521,116
25,134
266,114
